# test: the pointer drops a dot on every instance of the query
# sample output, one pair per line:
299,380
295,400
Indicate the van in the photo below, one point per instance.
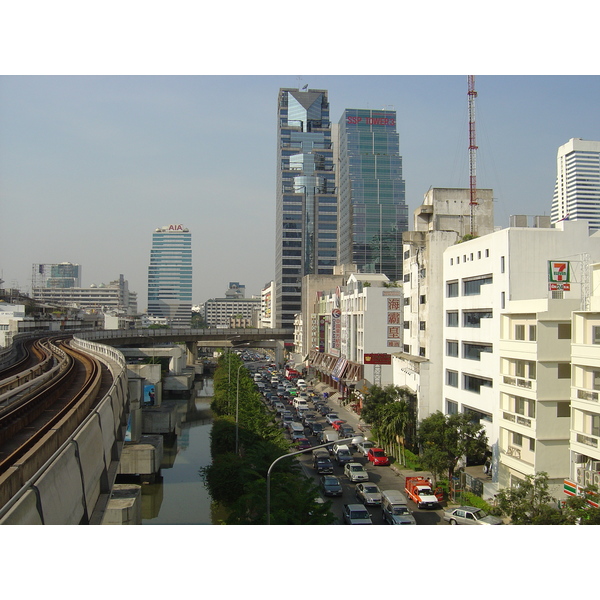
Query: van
329,436
301,384
394,508
342,454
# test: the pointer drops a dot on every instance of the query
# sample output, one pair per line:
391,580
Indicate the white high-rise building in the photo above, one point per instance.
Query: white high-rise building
577,190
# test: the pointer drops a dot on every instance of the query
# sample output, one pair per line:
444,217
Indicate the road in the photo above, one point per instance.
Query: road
386,477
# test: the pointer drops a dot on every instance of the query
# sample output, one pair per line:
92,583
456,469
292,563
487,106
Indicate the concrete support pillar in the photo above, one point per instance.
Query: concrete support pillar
279,352
192,353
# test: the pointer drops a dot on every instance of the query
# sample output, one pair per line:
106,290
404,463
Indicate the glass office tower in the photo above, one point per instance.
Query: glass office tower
373,211
306,207
170,275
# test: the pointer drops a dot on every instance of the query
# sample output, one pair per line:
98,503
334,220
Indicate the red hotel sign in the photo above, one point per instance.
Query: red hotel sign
378,359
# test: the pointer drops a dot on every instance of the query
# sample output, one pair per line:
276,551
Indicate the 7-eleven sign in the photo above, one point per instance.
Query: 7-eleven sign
559,271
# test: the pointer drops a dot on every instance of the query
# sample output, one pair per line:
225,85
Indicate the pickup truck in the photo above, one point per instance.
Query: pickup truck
419,491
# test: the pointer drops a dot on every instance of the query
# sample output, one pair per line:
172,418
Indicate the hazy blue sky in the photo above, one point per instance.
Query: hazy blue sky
91,165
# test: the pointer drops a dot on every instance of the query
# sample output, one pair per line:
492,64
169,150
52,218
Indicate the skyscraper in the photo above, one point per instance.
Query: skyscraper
170,275
577,190
373,211
306,206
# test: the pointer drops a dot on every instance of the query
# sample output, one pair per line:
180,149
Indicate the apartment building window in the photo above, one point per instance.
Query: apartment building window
473,351
406,348
531,444
451,348
452,318
519,332
525,369
407,254
451,407
472,287
422,325
473,318
564,331
596,380
517,439
525,407
452,289
406,301
452,378
502,265
502,299
532,333
596,425
563,409
422,351
406,324
474,384
596,334
564,370
422,299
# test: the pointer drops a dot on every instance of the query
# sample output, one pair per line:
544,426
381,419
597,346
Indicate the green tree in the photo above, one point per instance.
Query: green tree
579,508
529,503
445,439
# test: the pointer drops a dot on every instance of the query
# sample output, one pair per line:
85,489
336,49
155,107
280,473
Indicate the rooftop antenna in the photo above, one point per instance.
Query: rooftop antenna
472,94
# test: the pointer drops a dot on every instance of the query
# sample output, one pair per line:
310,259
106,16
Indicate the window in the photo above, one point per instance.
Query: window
564,331
563,409
452,378
474,384
596,335
502,265
503,300
532,333
451,348
517,439
473,319
406,348
422,299
452,289
422,351
406,301
452,319
596,425
564,370
472,287
532,444
473,351
519,332
422,325
451,407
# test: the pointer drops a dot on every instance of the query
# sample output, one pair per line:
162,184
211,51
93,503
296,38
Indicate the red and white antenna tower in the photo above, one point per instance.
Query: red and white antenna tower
472,94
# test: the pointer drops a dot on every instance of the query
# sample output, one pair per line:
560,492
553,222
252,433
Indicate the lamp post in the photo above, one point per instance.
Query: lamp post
237,405
355,440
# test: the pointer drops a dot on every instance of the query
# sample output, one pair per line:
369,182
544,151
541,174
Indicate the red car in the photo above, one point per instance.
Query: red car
336,424
377,456
303,444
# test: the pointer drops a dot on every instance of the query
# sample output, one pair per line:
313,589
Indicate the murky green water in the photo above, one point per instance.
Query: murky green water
181,498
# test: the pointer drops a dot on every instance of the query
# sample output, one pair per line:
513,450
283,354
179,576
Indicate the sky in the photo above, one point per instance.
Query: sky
101,143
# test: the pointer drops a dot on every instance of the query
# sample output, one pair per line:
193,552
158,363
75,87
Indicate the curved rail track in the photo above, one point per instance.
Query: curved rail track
52,412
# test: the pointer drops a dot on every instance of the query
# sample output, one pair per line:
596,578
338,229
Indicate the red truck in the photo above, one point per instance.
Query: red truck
419,491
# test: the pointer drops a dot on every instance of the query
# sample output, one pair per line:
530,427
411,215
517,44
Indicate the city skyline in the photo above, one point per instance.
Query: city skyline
90,164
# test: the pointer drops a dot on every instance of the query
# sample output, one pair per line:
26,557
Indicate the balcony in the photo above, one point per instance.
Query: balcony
587,440
518,382
587,395
518,419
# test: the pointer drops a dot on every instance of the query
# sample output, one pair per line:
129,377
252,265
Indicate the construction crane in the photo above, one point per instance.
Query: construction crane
472,94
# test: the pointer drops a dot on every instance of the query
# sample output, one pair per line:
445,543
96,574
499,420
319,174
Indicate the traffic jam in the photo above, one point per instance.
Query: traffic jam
351,471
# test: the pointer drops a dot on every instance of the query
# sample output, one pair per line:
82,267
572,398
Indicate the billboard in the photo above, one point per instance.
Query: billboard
378,359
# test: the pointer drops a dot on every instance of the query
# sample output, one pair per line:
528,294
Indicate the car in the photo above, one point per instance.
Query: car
377,456
355,472
302,443
469,515
368,493
363,447
323,465
331,486
331,417
337,424
346,431
315,428
356,514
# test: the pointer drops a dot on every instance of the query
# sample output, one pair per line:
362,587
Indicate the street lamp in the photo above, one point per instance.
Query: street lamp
237,405
355,440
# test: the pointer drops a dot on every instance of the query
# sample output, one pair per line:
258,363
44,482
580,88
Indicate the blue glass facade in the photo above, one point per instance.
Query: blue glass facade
170,275
306,210
373,212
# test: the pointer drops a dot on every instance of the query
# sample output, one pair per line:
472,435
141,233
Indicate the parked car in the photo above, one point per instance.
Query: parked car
356,514
377,456
331,417
469,515
355,472
337,424
331,486
363,447
342,454
323,465
315,428
368,493
346,431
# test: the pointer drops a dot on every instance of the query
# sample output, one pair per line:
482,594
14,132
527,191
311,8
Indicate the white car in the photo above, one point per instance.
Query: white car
363,447
355,472
368,493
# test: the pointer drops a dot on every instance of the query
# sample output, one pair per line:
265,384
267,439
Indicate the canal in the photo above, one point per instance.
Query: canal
180,497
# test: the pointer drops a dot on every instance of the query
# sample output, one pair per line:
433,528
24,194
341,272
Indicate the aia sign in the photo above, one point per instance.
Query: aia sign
175,227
